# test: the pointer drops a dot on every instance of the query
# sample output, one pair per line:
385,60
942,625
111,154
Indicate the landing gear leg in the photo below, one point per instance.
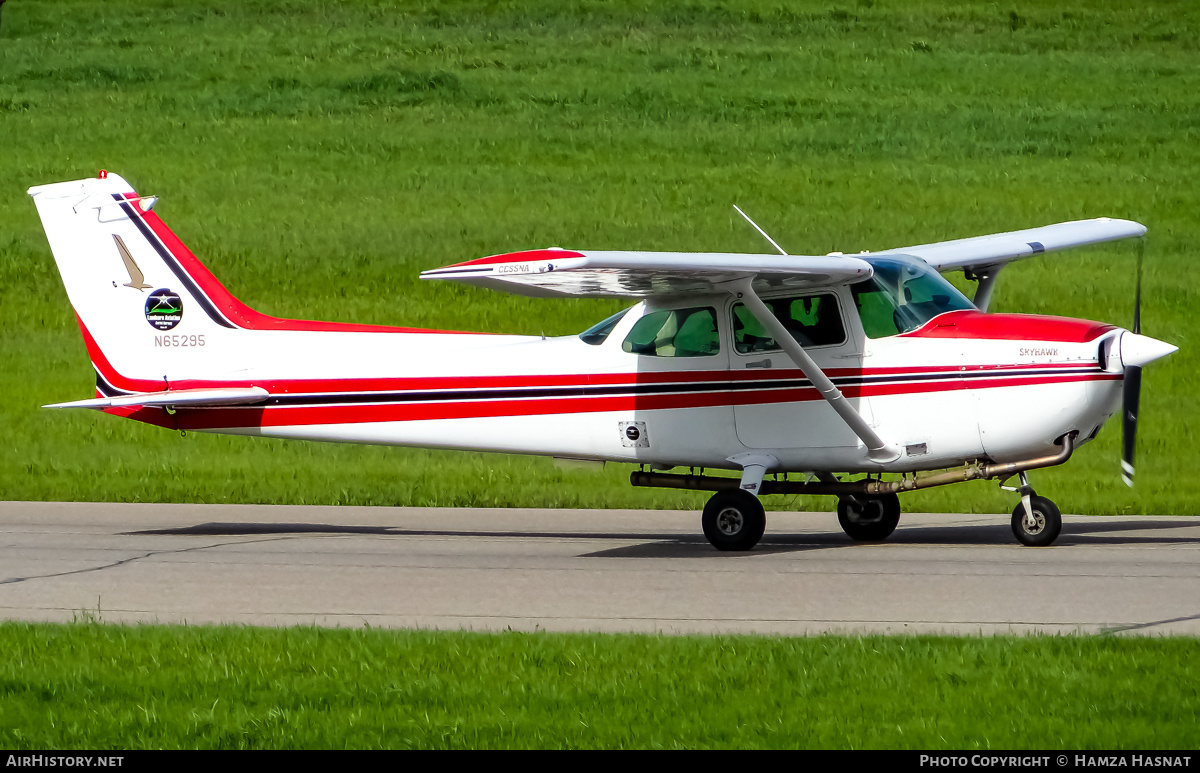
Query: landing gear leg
1036,522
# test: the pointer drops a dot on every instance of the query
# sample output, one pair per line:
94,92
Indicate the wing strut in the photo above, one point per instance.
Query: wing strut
986,275
877,449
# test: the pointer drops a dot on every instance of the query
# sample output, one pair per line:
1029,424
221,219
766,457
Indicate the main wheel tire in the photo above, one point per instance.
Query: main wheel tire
1047,528
733,520
869,519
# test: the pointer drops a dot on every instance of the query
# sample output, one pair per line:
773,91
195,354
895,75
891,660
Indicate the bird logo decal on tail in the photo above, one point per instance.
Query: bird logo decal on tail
136,279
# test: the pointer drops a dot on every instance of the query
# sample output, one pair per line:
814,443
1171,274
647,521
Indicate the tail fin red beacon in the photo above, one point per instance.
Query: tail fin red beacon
154,318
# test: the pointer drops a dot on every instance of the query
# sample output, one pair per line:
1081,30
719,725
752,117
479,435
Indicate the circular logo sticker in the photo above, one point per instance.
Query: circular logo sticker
163,309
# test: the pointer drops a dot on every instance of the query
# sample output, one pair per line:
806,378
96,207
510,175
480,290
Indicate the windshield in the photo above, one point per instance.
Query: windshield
597,333
903,295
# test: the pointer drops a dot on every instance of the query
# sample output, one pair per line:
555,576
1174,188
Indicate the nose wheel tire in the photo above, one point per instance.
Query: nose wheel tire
1047,523
869,518
733,520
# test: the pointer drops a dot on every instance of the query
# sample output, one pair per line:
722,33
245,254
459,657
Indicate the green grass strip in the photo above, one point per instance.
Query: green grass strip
99,686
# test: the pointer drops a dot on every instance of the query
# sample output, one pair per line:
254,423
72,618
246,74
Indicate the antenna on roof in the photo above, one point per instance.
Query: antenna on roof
761,231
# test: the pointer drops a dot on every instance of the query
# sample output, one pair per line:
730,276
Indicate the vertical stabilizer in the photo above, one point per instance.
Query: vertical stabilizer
145,313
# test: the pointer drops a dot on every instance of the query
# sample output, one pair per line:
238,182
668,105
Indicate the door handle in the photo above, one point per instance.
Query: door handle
760,364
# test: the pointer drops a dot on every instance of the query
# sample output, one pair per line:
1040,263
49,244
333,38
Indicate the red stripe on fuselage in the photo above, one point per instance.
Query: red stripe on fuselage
327,386
288,416
214,418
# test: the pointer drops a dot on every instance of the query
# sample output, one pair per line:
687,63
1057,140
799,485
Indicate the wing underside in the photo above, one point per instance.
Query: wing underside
999,249
559,273
566,273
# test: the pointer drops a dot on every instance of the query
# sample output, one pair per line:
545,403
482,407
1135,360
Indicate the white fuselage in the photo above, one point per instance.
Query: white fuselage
696,388
941,399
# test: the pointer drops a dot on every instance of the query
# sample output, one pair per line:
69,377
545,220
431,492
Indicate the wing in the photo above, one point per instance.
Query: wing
998,249
558,273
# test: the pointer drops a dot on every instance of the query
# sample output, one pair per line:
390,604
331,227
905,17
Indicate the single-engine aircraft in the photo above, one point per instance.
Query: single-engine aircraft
859,376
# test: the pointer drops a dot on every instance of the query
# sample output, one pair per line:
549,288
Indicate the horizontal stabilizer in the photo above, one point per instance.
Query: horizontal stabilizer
175,398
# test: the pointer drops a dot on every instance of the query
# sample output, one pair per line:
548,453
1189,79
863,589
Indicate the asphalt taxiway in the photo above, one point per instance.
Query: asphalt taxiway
589,570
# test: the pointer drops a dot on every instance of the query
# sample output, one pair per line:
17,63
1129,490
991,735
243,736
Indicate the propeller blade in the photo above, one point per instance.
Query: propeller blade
1133,384
1133,388
1137,293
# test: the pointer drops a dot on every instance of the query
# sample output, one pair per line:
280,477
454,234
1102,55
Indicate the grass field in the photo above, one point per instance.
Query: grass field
91,686
319,155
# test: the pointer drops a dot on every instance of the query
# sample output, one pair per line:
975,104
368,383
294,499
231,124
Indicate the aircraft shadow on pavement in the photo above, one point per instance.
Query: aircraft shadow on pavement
649,545
1132,530
1098,531
262,529
243,529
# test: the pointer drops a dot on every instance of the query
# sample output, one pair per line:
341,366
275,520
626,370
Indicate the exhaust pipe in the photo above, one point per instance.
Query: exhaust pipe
975,471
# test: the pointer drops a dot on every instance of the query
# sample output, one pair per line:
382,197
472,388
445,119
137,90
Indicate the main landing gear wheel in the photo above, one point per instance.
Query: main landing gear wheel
734,520
1047,523
869,519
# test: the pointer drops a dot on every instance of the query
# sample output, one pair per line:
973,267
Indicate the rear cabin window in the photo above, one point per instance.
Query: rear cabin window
675,333
813,320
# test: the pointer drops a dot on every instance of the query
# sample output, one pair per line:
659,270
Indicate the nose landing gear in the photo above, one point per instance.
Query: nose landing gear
1039,529
1036,522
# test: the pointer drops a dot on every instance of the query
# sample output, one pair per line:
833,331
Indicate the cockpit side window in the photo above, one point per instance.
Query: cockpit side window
876,309
598,333
813,320
675,333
